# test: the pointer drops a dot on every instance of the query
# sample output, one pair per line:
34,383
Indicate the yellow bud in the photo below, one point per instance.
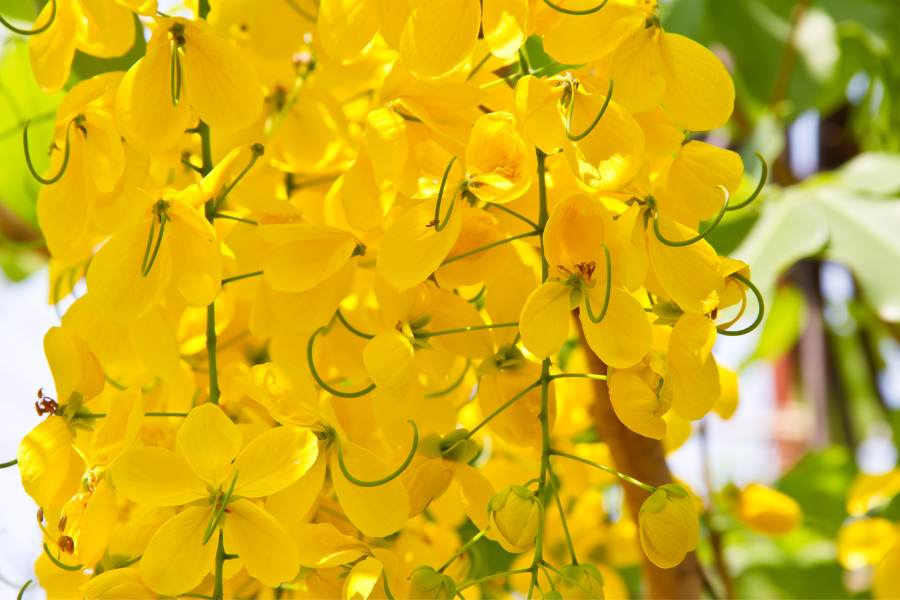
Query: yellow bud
668,526
580,581
865,542
428,584
768,511
515,515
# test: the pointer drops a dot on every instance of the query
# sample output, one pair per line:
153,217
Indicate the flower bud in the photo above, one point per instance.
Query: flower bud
456,446
580,581
768,511
426,583
668,525
515,516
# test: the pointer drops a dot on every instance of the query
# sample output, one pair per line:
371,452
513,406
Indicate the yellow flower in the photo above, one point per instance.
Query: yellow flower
768,511
499,164
865,541
668,525
432,49
637,403
516,515
885,584
187,67
209,466
75,369
692,375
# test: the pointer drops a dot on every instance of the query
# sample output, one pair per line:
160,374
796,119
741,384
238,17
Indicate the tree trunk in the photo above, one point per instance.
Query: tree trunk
644,459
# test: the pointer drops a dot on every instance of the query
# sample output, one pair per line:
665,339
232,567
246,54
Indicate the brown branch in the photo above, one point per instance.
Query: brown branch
644,459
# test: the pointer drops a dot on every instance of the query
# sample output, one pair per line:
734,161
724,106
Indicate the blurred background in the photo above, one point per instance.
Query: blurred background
818,86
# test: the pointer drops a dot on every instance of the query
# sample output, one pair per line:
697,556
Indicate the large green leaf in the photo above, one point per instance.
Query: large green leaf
20,100
819,483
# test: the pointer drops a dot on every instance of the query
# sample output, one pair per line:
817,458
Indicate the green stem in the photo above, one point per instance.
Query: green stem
468,328
22,590
80,415
481,580
8,464
210,209
219,215
562,515
501,408
627,478
490,246
59,563
351,328
228,280
218,592
387,478
462,550
515,214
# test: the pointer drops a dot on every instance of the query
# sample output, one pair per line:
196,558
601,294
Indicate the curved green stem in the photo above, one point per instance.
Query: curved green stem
387,478
481,580
176,73
310,347
763,176
490,246
468,328
502,407
36,31
233,278
515,214
462,550
701,235
562,515
218,577
351,328
62,167
22,590
8,464
150,259
587,298
759,316
60,564
456,383
644,486
574,12
438,224
575,137
219,215
257,150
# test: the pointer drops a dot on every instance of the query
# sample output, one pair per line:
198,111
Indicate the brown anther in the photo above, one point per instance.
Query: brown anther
66,544
586,270
62,523
40,515
46,404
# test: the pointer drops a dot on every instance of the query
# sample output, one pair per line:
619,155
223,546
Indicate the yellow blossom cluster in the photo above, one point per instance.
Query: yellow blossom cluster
345,262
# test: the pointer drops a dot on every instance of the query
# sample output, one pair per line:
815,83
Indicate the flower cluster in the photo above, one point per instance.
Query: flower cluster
345,264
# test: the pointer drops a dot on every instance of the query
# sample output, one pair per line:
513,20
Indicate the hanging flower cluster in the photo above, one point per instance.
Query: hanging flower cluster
344,263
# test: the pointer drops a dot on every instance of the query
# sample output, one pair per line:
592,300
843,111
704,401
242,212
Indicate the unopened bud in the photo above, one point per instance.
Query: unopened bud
515,515
428,584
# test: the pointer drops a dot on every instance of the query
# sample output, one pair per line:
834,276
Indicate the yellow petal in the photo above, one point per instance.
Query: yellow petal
74,367
176,559
116,584
196,258
689,275
294,503
864,542
574,39
265,549
693,375
519,424
209,441
52,51
302,256
690,191
544,322
440,35
114,277
220,82
360,582
500,165
387,143
325,546
274,460
108,28
120,427
157,477
699,91
767,510
389,361
287,391
346,27
105,158
413,235
144,101
476,493
375,511
623,337
46,460
537,113
64,209
505,24
637,405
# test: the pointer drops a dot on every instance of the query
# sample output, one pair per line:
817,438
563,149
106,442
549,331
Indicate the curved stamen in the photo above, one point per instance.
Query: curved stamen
763,176
351,328
571,111
438,224
36,31
456,383
59,563
150,259
10,463
30,164
216,517
587,298
576,12
701,235
386,478
759,315
315,373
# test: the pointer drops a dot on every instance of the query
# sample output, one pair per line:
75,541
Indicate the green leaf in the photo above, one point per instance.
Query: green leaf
787,315
875,173
21,99
819,483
